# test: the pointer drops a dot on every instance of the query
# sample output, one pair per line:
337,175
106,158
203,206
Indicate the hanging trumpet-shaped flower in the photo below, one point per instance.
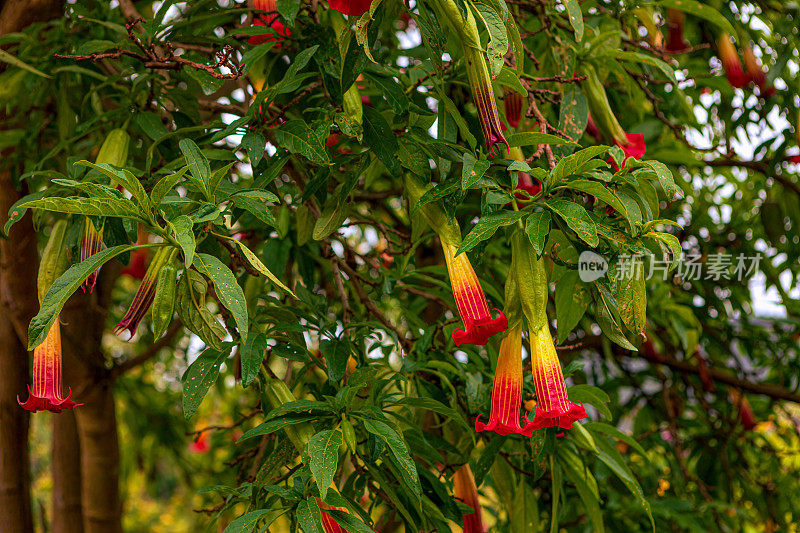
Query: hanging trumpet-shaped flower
603,118
269,20
512,101
465,490
146,293
675,41
479,324
350,7
553,408
91,244
755,71
47,389
731,63
477,72
507,389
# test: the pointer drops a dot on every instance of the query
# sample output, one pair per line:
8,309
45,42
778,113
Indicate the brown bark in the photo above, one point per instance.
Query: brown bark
66,516
85,371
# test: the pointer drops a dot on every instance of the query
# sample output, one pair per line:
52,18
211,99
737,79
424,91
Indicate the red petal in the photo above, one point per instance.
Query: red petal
350,7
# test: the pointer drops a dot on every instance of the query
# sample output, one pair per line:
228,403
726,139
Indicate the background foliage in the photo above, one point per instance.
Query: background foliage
260,165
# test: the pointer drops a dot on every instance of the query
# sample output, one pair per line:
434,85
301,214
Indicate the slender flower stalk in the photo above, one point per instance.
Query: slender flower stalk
146,292
91,244
465,489
480,81
47,392
507,389
731,63
471,302
632,144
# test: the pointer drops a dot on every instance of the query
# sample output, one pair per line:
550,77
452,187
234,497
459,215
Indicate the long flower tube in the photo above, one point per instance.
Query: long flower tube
47,391
632,144
479,324
553,407
145,293
736,75
465,489
676,43
512,103
480,81
91,244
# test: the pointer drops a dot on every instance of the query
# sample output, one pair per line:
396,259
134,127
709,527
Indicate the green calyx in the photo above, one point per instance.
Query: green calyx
531,280
55,259
599,106
434,215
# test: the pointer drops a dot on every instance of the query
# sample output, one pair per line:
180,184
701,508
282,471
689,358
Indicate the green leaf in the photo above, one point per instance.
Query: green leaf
594,396
435,406
524,516
391,90
247,522
600,191
13,60
228,291
288,10
572,300
672,243
309,516
271,426
101,207
128,181
62,288
575,18
255,144
198,379
329,220
473,170
537,228
182,226
576,218
698,9
612,458
398,449
193,311
498,37
606,319
585,484
632,300
378,135
252,357
255,206
164,185
297,137
535,138
664,175
573,113
163,308
611,431
322,456
197,162
487,226
256,263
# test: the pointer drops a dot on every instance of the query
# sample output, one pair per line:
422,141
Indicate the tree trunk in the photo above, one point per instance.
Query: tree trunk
86,373
67,516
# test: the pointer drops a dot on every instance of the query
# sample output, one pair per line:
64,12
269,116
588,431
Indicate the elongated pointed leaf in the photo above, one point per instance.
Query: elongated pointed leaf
228,290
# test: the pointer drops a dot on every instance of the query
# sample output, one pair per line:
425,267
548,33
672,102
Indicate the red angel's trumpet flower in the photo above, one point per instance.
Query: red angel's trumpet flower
47,389
91,244
731,63
756,72
512,101
633,147
350,7
269,20
479,324
675,41
146,292
507,389
553,408
464,489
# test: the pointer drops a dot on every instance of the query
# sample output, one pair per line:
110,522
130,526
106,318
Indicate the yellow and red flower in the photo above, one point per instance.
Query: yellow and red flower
269,20
507,389
553,408
731,63
756,72
479,324
464,489
145,294
47,389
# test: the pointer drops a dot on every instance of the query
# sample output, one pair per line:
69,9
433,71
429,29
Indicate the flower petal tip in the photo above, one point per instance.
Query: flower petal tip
54,405
557,417
478,332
